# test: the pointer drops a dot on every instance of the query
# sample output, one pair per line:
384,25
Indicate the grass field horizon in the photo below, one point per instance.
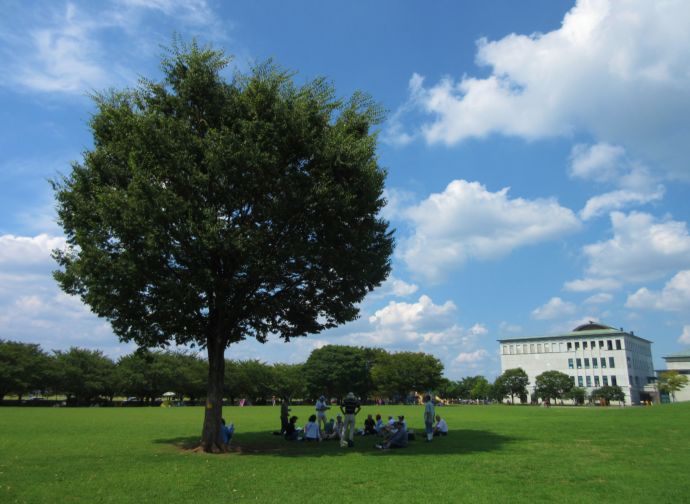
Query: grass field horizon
492,454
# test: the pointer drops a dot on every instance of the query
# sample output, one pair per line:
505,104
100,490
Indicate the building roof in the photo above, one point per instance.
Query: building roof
684,355
589,330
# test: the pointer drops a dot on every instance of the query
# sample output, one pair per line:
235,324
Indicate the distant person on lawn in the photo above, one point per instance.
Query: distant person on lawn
291,430
429,413
284,413
321,408
441,428
350,407
311,430
369,426
397,438
226,432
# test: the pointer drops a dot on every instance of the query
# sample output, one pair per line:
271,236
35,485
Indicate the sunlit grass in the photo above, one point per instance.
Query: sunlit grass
493,453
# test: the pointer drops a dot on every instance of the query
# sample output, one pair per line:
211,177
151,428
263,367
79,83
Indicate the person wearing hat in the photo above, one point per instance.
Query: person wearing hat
350,407
321,408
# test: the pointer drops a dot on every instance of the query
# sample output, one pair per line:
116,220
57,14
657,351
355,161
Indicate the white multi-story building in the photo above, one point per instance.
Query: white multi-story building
593,355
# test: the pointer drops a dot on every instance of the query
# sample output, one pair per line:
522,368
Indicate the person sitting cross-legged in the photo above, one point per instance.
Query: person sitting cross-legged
226,432
311,430
441,427
396,439
291,430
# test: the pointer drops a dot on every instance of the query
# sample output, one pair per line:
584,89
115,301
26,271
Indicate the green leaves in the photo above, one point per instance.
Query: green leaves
239,208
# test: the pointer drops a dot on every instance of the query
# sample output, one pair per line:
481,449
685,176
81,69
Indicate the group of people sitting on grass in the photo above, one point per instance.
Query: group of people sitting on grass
393,433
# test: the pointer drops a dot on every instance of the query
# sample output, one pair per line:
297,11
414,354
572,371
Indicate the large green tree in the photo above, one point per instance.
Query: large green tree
84,375
513,382
335,370
404,372
553,385
209,211
24,367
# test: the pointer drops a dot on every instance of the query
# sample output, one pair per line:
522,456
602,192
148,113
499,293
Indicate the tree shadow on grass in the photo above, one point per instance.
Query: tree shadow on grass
458,442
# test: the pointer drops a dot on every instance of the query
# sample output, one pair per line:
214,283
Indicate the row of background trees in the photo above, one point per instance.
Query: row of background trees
87,376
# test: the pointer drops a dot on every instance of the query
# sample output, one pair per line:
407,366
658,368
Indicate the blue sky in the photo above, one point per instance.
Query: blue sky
537,154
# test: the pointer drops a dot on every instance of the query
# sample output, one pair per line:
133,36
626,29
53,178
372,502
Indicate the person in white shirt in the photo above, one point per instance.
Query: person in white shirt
321,408
311,430
441,428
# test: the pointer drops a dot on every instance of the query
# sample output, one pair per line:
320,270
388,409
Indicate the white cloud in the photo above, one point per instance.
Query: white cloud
28,250
604,163
685,337
675,296
75,48
422,314
642,248
507,328
554,308
466,357
466,221
600,298
591,284
600,162
614,70
615,200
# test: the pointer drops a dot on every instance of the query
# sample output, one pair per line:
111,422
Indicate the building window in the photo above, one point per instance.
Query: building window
524,348
579,381
546,347
512,349
630,379
612,362
628,359
579,363
618,344
589,381
531,348
613,380
570,346
596,381
637,381
603,362
518,349
606,380
570,364
609,344
584,344
595,363
601,343
577,345
586,363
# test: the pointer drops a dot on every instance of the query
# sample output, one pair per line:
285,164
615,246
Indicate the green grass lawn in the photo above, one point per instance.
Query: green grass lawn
493,454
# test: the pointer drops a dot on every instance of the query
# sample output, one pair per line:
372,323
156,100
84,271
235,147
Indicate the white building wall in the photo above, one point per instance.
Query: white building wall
680,365
587,358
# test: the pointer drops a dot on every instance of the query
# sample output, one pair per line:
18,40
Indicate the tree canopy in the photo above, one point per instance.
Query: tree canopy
404,372
553,385
209,211
671,382
513,382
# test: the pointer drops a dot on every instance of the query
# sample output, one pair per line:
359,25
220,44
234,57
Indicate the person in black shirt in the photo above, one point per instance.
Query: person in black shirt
291,429
369,426
350,407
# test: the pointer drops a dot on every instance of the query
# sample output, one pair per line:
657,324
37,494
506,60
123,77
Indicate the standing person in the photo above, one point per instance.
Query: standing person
284,413
321,408
350,407
226,432
429,414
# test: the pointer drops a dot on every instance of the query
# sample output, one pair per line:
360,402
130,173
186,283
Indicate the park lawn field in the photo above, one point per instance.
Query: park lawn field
492,454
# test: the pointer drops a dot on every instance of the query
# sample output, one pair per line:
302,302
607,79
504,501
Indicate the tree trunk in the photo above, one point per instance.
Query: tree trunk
211,439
